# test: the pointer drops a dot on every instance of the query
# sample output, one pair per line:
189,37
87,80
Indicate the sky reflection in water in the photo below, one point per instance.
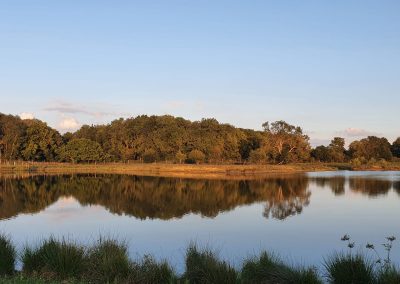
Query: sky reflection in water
300,217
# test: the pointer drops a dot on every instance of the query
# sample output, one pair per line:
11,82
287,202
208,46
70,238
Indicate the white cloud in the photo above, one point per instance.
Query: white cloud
69,108
68,123
26,115
357,132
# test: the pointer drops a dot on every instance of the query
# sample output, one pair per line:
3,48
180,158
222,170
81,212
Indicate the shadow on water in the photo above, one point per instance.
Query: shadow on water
166,198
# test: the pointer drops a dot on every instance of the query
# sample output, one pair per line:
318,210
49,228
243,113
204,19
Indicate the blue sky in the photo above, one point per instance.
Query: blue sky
330,66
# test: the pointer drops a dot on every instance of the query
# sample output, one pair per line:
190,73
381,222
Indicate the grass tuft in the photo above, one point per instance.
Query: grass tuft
205,267
349,268
389,276
148,271
107,262
54,259
270,269
7,256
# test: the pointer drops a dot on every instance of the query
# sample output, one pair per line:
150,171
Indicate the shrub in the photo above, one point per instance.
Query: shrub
205,267
7,256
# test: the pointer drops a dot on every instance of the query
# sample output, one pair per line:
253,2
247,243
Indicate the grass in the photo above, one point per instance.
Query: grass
148,271
107,262
203,266
270,269
62,261
389,276
350,268
7,256
55,259
165,169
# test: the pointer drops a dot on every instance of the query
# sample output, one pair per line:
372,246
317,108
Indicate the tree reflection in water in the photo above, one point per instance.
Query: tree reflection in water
155,197
166,198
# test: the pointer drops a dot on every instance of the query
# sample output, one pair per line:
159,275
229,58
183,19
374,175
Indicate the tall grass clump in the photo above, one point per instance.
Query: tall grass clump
270,269
205,267
54,259
349,268
7,256
149,271
388,276
107,262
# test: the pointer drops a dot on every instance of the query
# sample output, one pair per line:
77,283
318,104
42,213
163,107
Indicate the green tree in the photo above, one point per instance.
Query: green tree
12,137
41,142
396,148
371,147
286,142
82,150
321,154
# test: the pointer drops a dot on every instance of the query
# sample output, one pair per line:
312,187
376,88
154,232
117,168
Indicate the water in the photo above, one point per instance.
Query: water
300,217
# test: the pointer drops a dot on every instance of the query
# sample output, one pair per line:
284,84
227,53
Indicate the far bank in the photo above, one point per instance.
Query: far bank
184,170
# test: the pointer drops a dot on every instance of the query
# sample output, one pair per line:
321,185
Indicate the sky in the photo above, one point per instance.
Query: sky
332,67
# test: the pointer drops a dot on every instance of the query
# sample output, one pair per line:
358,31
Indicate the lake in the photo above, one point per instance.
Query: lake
299,217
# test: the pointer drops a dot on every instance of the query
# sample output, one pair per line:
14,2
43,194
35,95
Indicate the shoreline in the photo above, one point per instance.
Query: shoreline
249,171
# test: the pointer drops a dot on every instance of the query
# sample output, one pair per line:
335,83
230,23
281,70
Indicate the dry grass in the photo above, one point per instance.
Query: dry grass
163,169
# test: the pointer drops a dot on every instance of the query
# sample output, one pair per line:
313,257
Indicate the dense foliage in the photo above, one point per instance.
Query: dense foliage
174,139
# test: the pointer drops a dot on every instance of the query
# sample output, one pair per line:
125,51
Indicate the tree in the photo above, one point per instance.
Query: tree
82,150
321,154
196,156
287,142
371,147
180,157
396,148
12,136
41,142
337,150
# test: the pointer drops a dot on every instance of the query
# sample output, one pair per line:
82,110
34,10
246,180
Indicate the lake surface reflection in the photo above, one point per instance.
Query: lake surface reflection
301,217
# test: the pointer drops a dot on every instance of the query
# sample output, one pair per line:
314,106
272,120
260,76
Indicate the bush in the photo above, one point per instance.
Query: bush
107,262
205,267
54,259
349,268
7,256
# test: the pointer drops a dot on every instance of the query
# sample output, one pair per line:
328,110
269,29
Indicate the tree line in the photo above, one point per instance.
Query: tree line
174,139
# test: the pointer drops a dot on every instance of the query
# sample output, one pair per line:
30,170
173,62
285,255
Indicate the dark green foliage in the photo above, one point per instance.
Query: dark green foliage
107,262
389,276
349,268
82,150
41,142
335,152
174,139
396,148
204,267
371,148
148,271
269,269
7,256
54,259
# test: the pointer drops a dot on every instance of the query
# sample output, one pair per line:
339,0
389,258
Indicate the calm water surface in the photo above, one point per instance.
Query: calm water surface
300,217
